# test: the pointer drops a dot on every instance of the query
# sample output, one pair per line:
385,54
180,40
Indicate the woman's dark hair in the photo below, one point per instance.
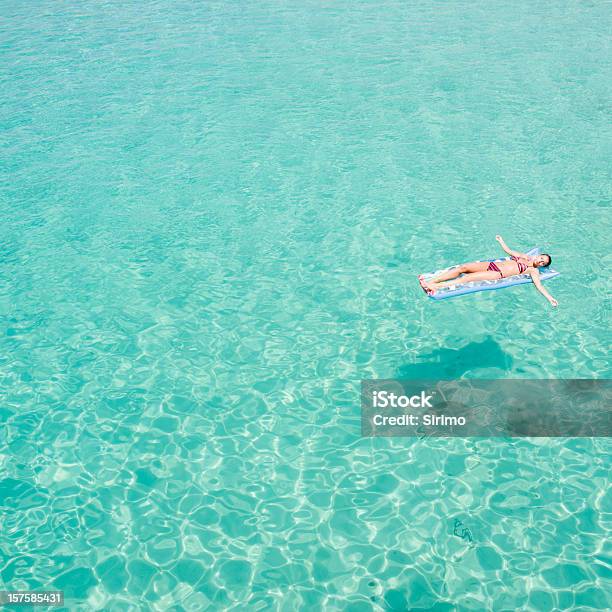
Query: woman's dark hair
549,259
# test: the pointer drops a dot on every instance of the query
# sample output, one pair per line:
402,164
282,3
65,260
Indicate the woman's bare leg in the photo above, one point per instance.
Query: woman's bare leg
468,268
473,266
467,278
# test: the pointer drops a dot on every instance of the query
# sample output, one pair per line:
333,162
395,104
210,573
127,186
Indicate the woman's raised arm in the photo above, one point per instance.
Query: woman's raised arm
507,249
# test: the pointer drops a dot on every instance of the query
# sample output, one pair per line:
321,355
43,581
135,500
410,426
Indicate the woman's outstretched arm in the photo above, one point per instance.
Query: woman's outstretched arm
507,249
535,277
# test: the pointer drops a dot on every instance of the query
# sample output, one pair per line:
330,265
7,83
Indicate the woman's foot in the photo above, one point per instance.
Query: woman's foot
427,288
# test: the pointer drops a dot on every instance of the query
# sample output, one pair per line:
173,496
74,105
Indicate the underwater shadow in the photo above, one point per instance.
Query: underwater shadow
447,363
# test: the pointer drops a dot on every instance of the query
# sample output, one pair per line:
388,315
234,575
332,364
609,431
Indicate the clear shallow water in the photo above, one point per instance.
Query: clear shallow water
212,219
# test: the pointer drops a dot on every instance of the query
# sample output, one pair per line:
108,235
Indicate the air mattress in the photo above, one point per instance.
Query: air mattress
488,285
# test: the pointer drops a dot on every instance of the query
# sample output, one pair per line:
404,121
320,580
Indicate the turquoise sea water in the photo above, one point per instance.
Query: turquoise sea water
212,219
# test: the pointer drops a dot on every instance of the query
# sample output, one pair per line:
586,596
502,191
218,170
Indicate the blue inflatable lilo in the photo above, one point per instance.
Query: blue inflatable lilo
490,274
